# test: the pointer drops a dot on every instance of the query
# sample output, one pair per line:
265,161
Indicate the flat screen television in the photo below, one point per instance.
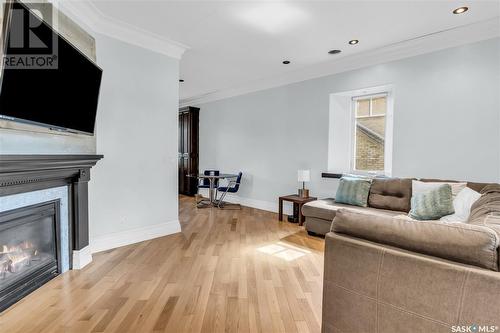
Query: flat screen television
62,96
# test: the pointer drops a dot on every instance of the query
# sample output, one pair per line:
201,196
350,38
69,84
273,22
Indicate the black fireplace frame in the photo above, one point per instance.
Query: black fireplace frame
27,173
45,273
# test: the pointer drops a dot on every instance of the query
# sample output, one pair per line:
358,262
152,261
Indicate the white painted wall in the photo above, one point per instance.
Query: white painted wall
28,139
133,191
446,124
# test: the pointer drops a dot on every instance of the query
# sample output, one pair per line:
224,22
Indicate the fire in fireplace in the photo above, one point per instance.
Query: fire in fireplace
17,259
29,250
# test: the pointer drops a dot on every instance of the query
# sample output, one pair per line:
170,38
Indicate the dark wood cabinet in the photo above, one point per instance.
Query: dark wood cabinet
188,149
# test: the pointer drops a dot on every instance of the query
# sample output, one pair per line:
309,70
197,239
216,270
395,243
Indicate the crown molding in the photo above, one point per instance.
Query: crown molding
88,15
409,48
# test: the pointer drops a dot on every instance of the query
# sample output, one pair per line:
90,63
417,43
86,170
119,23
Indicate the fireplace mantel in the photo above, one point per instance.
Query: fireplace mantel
27,173
23,173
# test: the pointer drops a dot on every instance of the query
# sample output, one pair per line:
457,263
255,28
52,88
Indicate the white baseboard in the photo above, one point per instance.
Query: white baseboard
82,257
253,203
136,235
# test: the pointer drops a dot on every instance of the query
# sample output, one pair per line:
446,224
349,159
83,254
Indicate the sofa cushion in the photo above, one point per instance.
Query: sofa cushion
472,185
486,210
462,205
465,243
478,187
353,191
433,204
326,208
488,203
418,187
391,194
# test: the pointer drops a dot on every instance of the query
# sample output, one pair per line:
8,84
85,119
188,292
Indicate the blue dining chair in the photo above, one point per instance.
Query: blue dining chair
232,187
205,182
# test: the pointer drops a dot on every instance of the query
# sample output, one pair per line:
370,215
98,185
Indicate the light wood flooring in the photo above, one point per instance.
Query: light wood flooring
229,270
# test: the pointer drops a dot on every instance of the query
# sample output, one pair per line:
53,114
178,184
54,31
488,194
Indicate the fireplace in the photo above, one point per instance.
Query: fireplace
29,249
43,220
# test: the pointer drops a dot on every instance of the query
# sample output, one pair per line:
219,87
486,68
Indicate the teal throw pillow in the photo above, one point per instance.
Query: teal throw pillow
353,191
433,204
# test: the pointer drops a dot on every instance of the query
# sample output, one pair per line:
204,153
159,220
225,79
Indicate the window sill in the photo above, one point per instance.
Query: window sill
331,175
339,175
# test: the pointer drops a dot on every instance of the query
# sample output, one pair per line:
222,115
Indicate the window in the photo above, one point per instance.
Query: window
360,131
369,133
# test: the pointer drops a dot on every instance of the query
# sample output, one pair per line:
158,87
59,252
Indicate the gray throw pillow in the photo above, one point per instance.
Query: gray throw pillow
433,204
353,191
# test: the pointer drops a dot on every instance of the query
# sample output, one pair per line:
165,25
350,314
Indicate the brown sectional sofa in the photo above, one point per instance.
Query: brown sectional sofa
387,273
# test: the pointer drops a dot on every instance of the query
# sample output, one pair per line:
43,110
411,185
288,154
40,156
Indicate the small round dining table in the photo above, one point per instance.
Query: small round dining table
211,180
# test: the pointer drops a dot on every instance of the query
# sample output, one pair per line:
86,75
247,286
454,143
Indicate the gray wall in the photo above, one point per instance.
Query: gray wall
446,123
135,185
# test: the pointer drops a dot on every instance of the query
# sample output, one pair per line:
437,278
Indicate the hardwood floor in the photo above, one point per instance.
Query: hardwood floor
229,270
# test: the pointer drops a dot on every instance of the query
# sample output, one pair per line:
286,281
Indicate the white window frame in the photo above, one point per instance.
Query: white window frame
341,160
354,99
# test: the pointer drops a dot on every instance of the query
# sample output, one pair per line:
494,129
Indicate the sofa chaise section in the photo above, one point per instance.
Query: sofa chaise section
319,214
388,196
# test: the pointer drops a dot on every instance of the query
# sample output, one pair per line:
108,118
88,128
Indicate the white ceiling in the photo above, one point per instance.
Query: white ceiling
233,43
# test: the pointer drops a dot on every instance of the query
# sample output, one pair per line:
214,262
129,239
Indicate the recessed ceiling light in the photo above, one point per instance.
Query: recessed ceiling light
460,10
286,62
334,51
353,41
181,80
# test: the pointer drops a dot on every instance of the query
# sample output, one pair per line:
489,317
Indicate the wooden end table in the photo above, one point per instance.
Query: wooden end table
296,201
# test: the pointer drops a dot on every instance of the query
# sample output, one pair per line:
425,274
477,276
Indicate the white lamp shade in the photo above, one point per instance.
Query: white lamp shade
304,175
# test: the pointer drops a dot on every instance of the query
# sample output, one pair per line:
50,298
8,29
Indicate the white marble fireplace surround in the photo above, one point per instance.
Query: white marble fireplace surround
19,200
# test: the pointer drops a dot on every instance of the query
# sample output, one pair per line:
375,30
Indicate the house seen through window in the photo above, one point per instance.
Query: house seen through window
369,133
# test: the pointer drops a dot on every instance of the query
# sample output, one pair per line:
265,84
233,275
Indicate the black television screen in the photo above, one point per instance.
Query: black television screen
61,93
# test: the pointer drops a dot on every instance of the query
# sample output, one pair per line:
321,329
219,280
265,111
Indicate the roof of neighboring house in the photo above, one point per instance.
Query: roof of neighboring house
371,133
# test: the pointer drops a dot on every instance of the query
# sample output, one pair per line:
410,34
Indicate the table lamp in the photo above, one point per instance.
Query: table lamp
303,176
